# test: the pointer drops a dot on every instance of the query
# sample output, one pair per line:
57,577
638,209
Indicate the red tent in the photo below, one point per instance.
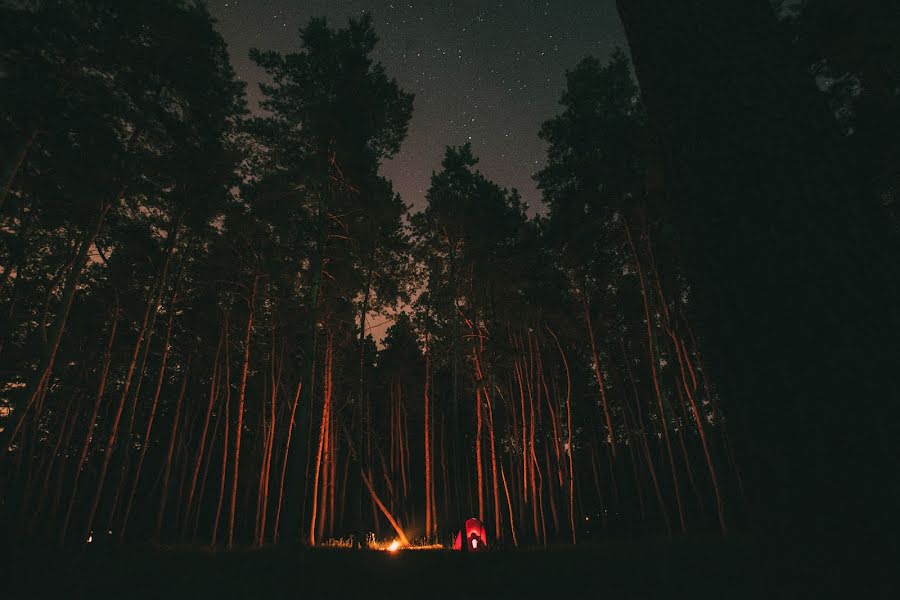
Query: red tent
476,536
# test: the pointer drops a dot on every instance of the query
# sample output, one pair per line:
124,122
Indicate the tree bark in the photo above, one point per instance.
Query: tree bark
167,469
240,411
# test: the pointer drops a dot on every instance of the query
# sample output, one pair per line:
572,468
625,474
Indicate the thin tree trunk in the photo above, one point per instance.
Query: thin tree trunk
59,324
322,433
151,417
659,396
92,421
62,441
512,525
428,482
145,354
497,516
287,449
478,465
720,506
225,438
609,428
213,396
167,470
648,457
240,411
207,463
114,428
569,449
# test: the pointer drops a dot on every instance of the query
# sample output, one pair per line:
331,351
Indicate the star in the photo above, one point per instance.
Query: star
487,71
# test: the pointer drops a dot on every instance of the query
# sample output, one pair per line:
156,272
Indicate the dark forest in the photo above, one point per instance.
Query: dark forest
691,342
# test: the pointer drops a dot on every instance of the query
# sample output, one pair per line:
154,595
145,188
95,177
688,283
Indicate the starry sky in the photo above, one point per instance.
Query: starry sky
484,71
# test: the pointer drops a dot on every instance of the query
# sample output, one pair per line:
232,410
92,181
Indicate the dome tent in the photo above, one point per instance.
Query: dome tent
475,537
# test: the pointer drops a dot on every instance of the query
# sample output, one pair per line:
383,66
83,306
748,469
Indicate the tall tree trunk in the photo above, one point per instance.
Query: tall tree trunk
427,426
323,430
160,288
114,426
167,469
224,471
652,359
569,449
611,434
146,440
478,465
213,396
644,445
207,464
59,325
92,421
512,525
295,513
498,530
284,464
240,410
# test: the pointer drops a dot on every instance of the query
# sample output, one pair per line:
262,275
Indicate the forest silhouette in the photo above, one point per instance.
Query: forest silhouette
697,336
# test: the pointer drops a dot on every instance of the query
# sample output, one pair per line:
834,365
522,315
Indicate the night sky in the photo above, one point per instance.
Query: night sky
483,71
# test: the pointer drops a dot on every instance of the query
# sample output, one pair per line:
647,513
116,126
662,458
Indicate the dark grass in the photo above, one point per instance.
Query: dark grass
680,568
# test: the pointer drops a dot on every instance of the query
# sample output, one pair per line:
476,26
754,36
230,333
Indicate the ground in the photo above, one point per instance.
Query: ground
680,568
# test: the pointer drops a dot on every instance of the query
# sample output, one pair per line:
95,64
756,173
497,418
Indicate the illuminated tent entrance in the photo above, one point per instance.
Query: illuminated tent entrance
476,537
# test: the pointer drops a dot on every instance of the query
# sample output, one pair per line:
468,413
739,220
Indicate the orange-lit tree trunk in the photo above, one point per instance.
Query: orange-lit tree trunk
512,525
651,354
524,430
213,395
552,411
240,411
402,444
323,429
554,513
332,464
478,465
428,482
681,350
207,467
723,426
117,417
537,508
270,453
59,325
494,482
569,449
648,457
263,450
62,441
446,478
263,495
720,506
287,447
151,417
145,354
384,509
92,421
224,470
611,434
167,469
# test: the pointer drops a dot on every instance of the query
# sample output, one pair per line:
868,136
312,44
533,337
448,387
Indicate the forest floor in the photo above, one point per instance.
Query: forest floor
680,568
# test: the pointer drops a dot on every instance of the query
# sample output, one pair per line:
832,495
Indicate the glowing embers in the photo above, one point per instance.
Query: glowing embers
392,545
